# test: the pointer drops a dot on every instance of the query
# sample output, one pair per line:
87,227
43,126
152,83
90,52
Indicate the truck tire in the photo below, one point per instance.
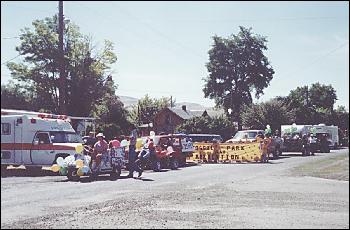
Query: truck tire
157,166
277,153
115,174
174,164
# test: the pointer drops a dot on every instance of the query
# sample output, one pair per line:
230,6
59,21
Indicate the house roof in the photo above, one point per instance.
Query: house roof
182,113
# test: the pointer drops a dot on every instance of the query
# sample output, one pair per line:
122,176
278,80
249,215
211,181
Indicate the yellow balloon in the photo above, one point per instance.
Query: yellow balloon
79,163
80,172
79,148
139,143
55,168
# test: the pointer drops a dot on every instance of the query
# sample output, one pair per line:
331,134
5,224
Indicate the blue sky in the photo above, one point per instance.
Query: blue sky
162,47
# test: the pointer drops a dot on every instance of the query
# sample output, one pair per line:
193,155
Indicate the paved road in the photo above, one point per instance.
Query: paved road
200,196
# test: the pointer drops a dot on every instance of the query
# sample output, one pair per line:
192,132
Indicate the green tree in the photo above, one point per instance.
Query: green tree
146,108
312,105
220,125
14,97
90,90
237,66
86,68
272,112
113,117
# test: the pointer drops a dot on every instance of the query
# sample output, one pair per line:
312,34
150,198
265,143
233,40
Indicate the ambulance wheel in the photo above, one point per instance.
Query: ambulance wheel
3,170
72,174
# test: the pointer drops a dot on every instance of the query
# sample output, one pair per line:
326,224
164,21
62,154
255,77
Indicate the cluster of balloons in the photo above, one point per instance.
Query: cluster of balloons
62,164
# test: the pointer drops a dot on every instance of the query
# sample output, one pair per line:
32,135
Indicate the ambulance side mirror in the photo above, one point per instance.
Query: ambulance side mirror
36,142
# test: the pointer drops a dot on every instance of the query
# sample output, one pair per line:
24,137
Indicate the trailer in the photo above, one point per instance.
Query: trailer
292,135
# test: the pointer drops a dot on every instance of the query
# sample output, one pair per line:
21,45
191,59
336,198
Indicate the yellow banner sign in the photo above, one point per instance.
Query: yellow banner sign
227,152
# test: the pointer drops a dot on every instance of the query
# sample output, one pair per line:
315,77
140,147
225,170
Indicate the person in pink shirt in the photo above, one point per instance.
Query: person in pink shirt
115,143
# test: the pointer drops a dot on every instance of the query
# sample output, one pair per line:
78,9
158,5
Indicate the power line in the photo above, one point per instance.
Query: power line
138,36
170,39
10,38
10,59
317,59
252,19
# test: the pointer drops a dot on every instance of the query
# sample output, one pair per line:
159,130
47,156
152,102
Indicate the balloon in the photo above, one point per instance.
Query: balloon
85,169
139,143
124,143
87,160
70,160
80,172
79,148
60,161
79,163
55,168
63,171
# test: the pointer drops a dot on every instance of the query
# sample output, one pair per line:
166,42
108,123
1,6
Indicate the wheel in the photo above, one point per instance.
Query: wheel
276,153
157,166
3,170
115,174
336,145
174,164
72,174
183,162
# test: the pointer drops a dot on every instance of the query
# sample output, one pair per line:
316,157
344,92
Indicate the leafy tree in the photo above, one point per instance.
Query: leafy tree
146,108
85,67
341,118
237,66
14,97
90,90
273,113
220,125
312,105
112,115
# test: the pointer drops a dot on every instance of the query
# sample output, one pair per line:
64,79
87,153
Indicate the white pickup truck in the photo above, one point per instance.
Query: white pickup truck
275,148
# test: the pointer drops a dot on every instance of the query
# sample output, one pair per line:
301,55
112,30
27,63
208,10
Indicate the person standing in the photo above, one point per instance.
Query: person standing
132,151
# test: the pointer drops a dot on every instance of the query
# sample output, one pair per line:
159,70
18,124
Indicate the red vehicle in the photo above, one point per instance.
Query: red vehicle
170,152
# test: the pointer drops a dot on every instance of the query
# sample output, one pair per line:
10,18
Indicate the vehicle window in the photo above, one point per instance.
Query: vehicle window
43,138
252,135
65,137
5,128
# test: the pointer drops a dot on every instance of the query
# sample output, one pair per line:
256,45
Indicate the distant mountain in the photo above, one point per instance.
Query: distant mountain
190,106
130,101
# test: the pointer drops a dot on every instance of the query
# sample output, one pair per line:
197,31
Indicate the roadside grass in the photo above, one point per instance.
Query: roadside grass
334,167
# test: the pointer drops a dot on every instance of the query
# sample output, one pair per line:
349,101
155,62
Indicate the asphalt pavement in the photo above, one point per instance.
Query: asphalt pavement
246,195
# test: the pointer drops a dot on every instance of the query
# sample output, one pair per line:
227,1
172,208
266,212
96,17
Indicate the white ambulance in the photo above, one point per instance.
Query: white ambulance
34,140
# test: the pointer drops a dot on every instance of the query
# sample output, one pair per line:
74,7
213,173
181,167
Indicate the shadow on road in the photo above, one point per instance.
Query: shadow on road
15,172
22,172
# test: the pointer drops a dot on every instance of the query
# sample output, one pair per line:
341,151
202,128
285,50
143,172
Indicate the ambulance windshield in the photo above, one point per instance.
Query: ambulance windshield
65,137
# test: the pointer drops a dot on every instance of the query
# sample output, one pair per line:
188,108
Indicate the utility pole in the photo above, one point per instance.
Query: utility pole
62,79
